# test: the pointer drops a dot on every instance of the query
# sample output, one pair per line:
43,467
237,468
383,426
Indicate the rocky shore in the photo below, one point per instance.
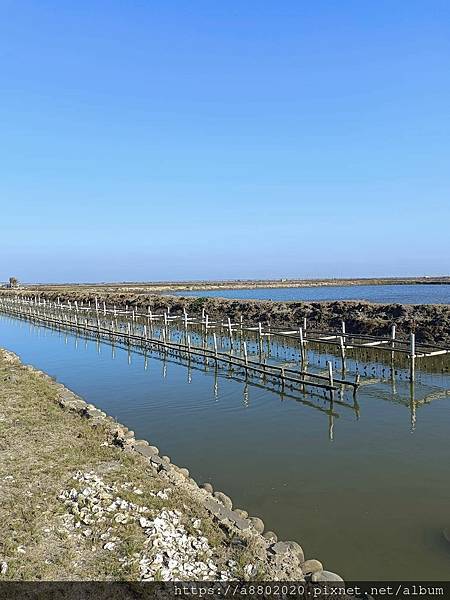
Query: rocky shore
83,499
430,322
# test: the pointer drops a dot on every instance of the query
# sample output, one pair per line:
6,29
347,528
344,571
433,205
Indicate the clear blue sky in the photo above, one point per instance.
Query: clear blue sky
171,140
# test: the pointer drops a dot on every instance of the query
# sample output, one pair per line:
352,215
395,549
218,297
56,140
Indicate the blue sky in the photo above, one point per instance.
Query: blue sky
185,140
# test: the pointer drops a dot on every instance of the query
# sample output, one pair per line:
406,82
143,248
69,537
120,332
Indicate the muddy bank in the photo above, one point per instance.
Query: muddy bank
430,322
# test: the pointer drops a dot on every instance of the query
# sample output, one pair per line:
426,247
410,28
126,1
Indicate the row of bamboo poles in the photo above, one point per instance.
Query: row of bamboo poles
94,320
302,336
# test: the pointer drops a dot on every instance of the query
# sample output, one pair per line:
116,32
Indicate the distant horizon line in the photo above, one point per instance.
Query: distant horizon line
278,280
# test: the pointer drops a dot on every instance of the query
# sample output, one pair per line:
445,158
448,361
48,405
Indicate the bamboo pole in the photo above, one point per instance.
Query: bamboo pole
342,348
244,346
413,357
230,331
330,372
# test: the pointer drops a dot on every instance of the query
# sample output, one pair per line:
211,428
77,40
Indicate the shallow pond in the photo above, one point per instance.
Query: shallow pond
406,294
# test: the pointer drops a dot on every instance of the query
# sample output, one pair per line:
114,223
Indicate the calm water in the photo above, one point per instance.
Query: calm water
367,492
406,294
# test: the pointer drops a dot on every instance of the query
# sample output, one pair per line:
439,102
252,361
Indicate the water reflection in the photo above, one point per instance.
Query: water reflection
378,380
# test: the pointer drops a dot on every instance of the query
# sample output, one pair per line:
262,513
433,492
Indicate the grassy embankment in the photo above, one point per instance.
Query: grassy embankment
42,447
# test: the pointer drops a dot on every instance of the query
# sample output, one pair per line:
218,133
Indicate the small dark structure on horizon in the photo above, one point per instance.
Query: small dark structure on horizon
13,283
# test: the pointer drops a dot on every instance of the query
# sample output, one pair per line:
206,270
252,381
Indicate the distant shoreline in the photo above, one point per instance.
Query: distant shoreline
242,284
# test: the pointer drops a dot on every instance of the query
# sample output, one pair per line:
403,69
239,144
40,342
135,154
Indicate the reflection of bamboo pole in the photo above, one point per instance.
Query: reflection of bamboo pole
413,407
356,407
331,422
216,383
245,395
